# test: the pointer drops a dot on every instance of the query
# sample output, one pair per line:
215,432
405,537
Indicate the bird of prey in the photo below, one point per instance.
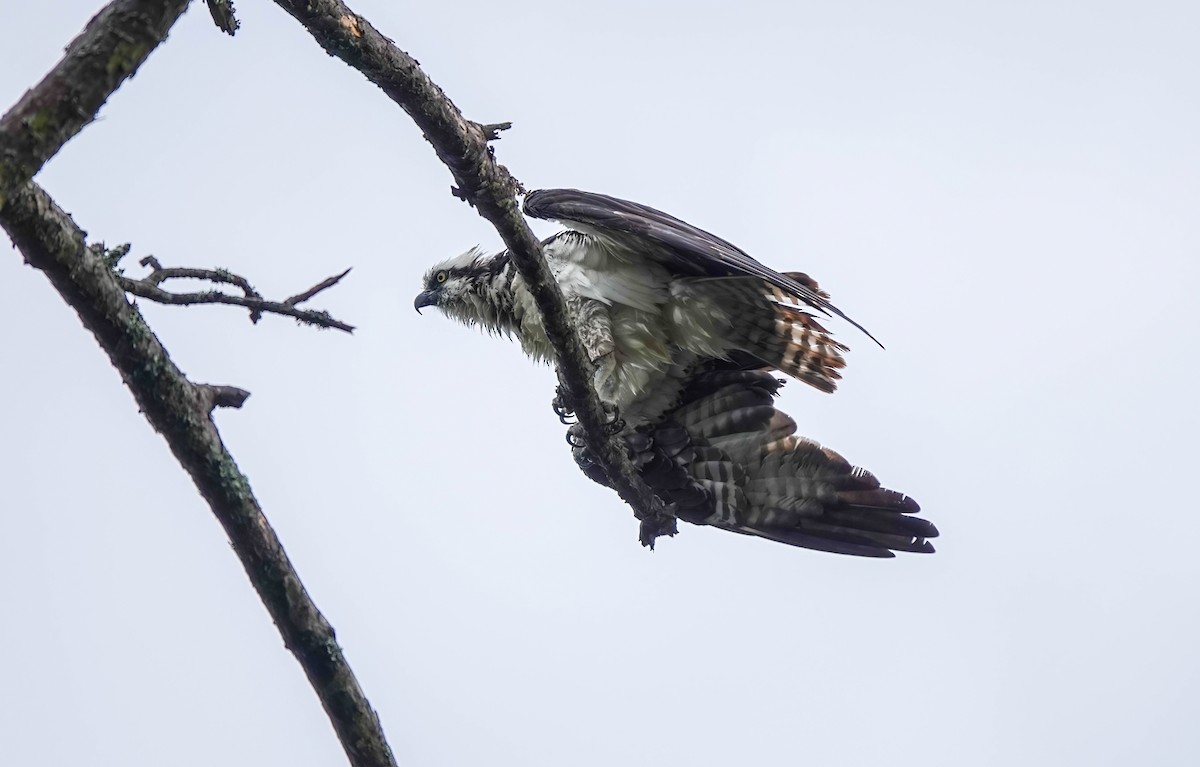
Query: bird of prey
684,330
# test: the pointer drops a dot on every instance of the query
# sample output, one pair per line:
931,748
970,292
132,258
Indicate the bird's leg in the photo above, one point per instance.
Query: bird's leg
595,330
605,379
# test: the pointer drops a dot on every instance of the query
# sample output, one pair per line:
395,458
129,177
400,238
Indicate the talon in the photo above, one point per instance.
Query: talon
565,415
615,424
576,443
575,438
560,408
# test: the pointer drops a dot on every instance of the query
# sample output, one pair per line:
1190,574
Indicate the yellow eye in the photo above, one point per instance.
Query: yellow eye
441,277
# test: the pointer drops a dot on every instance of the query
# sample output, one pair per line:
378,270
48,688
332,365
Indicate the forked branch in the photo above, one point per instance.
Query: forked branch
111,48
181,411
151,288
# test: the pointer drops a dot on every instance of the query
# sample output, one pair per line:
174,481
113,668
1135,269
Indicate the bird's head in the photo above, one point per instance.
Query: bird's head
457,286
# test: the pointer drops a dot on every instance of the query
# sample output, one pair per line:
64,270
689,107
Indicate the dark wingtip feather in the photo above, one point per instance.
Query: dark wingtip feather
880,498
876,521
833,543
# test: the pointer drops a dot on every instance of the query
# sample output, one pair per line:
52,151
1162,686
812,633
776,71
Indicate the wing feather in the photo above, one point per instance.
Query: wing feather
690,250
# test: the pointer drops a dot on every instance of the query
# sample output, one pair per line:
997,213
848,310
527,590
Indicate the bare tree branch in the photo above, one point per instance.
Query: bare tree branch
180,411
488,186
150,287
491,131
222,15
324,284
215,396
111,48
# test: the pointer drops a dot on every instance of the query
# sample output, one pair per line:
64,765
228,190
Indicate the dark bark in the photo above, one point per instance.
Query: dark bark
114,44
108,52
222,12
111,48
150,288
180,411
488,186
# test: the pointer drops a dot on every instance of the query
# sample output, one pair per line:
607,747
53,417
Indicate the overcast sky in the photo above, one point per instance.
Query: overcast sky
1005,193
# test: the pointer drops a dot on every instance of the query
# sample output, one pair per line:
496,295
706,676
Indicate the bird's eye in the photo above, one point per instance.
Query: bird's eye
441,277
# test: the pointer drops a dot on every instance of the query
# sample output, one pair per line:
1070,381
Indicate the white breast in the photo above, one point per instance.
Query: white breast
593,267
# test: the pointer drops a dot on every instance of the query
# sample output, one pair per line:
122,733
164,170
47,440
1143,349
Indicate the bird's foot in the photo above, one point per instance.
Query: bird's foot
564,412
615,423
575,437
585,459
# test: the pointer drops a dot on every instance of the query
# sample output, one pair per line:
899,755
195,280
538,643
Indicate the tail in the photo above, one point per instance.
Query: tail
726,457
756,318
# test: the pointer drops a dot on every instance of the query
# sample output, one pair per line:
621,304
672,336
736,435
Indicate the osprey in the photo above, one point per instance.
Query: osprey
684,330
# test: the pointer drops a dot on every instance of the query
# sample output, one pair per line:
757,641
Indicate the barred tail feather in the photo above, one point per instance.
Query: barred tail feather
743,470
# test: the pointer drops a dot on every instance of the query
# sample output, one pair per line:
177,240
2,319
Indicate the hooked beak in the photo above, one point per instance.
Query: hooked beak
425,298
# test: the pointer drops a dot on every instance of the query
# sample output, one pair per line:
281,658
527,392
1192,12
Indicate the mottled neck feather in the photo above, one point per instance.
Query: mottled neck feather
495,298
481,294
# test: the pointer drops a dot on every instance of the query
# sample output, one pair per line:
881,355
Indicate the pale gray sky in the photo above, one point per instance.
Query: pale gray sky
1006,193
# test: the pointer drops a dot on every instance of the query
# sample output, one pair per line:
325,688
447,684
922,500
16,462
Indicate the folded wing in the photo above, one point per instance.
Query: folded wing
687,249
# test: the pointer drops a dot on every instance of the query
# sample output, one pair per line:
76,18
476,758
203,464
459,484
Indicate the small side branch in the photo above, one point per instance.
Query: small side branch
491,131
150,288
215,396
222,15
324,284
